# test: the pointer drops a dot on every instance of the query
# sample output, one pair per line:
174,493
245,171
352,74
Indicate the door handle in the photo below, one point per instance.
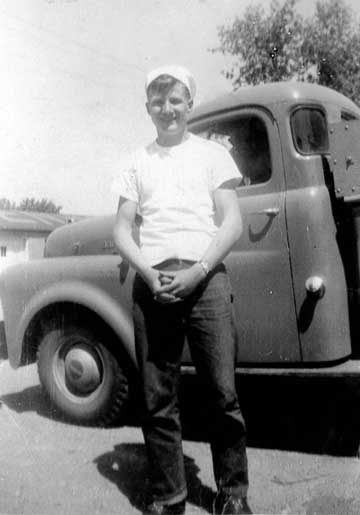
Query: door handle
269,211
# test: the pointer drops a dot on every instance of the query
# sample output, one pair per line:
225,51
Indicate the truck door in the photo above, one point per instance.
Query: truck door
259,264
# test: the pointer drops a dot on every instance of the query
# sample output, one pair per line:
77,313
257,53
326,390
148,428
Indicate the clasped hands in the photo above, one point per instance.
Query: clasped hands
170,287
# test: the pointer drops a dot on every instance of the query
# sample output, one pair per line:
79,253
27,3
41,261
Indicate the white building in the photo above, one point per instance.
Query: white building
23,235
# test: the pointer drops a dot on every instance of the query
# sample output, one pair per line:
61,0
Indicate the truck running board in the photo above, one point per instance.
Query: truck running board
349,368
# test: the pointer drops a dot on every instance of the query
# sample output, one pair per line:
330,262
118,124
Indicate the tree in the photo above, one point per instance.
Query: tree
31,204
41,206
267,48
6,203
332,44
282,45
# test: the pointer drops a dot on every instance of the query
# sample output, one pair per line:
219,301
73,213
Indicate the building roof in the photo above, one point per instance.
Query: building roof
30,221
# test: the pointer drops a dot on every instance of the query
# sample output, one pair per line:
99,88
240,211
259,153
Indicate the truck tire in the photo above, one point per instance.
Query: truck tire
81,377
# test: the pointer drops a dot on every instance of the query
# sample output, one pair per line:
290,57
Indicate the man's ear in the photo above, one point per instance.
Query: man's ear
190,104
147,107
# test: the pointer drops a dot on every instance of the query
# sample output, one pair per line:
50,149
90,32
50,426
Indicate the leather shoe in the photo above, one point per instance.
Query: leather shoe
230,505
165,509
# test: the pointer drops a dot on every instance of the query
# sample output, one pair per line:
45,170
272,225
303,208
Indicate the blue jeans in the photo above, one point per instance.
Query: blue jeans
206,319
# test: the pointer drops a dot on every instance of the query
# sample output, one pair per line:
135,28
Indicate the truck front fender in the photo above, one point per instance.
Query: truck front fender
91,282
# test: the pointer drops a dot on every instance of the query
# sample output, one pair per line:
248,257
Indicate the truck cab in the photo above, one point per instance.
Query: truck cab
294,271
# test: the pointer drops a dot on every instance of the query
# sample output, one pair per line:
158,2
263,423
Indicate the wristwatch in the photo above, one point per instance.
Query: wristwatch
205,266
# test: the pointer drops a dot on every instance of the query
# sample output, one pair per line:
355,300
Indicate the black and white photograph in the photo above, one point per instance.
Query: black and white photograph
180,257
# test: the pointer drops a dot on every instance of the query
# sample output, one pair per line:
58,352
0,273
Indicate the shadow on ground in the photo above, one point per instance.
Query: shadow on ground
319,416
31,399
305,415
312,415
34,399
126,466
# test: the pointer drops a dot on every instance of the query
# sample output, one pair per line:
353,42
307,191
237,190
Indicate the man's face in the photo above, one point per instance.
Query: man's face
169,110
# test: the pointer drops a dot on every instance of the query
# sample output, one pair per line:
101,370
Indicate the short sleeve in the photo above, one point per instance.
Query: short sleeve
125,183
224,168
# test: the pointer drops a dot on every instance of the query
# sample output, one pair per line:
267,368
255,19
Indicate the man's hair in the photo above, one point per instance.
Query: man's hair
163,84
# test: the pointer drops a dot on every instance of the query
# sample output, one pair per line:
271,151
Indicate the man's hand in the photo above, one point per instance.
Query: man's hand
153,279
182,282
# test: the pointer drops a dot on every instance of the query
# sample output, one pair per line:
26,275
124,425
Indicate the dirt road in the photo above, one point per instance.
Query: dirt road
51,467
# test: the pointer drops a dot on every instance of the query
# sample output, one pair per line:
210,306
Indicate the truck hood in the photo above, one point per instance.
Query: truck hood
92,236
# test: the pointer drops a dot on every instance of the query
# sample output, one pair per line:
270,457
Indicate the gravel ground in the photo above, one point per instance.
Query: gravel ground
51,467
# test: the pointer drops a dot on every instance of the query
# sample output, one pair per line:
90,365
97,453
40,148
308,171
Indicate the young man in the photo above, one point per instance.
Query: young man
179,184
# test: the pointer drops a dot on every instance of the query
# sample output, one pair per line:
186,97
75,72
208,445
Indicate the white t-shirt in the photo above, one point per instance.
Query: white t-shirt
174,189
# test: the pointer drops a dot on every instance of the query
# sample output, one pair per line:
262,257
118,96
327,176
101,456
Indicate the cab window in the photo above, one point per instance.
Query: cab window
247,141
309,131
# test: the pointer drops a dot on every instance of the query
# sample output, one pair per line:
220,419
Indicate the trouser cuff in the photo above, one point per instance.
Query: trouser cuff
237,491
180,496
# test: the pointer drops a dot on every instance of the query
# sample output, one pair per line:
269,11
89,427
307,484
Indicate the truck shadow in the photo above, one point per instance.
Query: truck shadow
31,399
312,415
126,467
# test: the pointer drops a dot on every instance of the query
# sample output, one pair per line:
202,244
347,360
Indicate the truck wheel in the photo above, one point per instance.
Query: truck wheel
81,377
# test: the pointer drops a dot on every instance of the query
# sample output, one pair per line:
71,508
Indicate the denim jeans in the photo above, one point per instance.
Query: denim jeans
206,319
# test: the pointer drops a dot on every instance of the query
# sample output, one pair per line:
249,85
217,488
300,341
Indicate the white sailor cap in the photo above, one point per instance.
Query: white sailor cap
178,72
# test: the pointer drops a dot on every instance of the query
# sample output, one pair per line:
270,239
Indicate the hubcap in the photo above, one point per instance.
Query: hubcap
83,369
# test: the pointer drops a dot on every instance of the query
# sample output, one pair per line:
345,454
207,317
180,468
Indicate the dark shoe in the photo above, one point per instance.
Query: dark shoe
165,509
230,505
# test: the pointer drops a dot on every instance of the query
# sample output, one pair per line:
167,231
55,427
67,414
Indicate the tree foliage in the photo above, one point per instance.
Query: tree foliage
332,44
6,204
282,45
31,204
42,206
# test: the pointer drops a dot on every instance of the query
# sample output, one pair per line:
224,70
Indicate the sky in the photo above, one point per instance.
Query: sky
72,87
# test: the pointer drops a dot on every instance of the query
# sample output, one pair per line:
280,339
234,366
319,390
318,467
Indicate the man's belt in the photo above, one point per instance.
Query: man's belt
171,265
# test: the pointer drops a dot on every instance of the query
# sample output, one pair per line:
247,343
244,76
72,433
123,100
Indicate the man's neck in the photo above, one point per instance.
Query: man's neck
166,140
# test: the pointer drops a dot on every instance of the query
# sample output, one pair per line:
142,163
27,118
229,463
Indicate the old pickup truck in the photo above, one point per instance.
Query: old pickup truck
295,270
